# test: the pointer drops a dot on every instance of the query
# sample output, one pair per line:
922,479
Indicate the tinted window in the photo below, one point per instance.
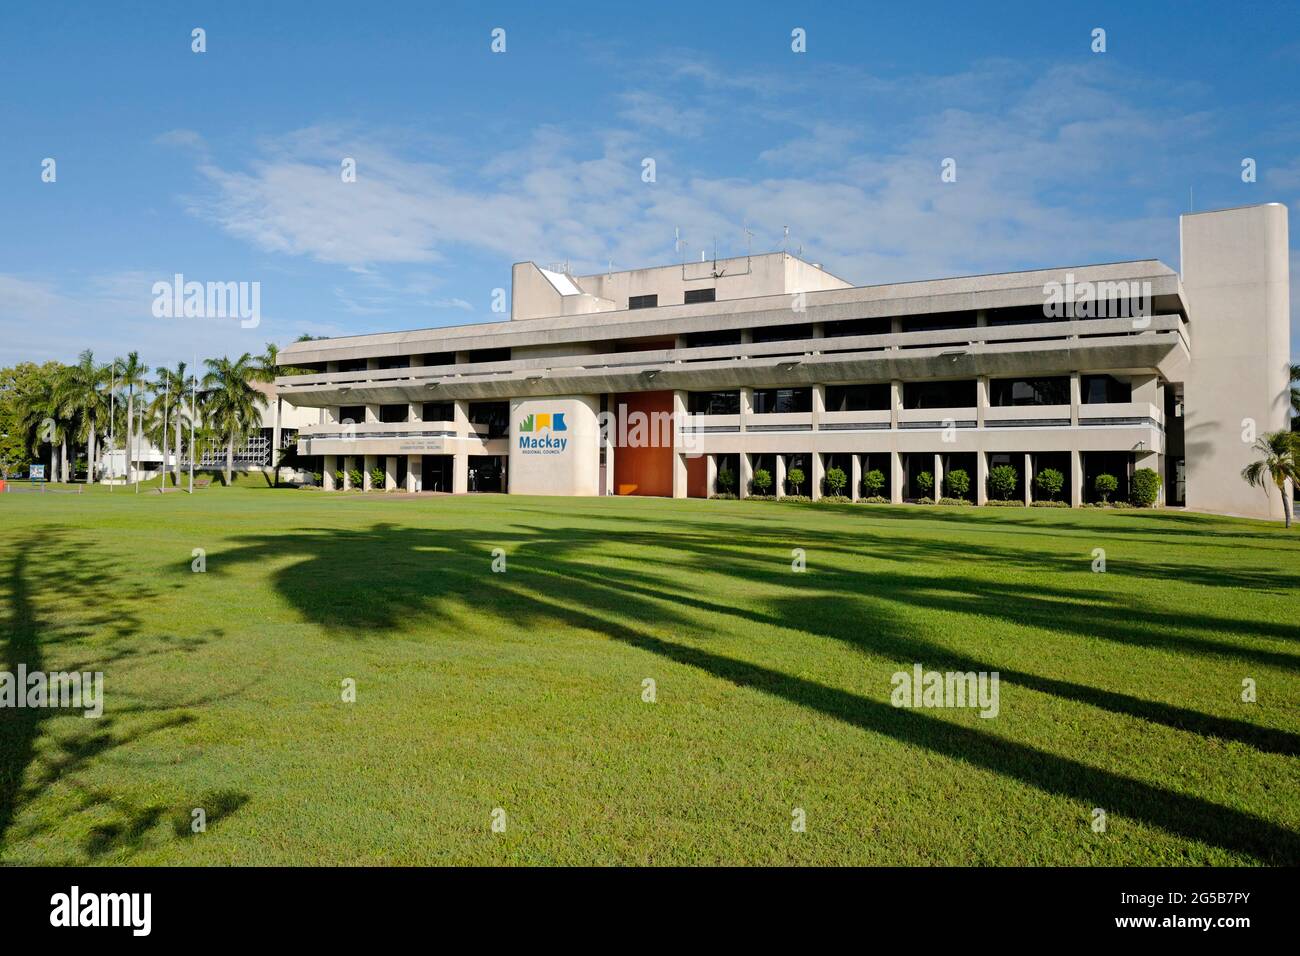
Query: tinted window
1029,391
489,355
959,394
393,413
715,403
700,295
352,413
1100,389
438,412
642,301
857,398
782,400
495,415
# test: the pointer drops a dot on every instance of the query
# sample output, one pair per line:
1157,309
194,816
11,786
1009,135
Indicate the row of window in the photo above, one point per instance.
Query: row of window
495,415
472,357
1003,392
692,297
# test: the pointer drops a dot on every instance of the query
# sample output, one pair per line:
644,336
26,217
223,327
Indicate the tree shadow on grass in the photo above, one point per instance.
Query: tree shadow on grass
363,582
63,596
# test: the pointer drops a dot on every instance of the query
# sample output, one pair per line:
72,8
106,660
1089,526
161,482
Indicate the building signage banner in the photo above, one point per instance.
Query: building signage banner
539,434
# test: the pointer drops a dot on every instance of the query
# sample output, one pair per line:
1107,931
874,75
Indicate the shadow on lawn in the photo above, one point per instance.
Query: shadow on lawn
561,575
58,592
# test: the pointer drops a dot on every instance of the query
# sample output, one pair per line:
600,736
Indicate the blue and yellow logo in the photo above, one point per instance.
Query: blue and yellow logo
531,439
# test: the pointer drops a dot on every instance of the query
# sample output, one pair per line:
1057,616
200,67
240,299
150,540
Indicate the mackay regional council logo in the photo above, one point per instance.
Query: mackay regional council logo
531,439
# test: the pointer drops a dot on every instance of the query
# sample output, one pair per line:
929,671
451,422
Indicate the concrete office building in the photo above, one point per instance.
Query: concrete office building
771,362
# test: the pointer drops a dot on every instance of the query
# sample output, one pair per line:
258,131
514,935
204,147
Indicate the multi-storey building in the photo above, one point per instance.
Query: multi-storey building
684,379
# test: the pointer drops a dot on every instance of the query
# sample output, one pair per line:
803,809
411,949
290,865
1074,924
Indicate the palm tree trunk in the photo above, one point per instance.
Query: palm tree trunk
176,468
130,418
63,459
275,445
230,458
90,456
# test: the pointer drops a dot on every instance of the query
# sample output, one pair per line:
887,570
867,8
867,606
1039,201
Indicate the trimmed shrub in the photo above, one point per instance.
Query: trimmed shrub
1050,504
835,482
1002,503
836,499
316,478
925,482
727,482
1002,482
1050,482
1105,486
338,478
376,479
957,482
354,476
794,479
723,496
795,498
874,500
873,482
953,501
1146,487
762,482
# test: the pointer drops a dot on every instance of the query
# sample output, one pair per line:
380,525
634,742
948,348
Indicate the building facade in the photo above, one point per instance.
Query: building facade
690,379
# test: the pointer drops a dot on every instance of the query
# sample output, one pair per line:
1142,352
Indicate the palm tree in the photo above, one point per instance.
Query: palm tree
231,403
82,397
41,421
1278,465
131,374
170,405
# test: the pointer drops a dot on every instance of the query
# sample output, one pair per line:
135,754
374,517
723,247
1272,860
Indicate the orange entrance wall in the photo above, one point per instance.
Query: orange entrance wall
697,477
647,470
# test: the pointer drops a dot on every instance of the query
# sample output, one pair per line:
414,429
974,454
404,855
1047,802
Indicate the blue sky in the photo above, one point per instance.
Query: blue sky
225,165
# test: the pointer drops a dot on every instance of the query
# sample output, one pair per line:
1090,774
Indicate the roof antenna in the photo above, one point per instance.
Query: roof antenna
785,238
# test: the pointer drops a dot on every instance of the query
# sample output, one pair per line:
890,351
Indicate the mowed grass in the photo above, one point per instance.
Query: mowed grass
523,690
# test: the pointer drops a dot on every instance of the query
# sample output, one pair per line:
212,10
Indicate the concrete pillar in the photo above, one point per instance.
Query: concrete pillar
746,406
1074,399
981,398
1029,480
818,406
1076,478
981,477
679,475
275,444
746,474
778,480
331,464
460,417
895,478
414,469
372,413
938,477
460,472
855,477
895,401
611,435
347,472
710,475
368,464
390,472
414,411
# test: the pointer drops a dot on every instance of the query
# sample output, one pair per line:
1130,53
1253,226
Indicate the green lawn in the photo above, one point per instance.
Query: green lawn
523,690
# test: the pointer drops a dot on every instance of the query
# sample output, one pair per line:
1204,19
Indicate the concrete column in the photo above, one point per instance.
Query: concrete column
347,476
981,477
414,411
1076,478
710,475
1029,480
746,406
372,413
414,469
331,464
611,436
679,475
818,473
818,405
895,478
746,474
460,472
938,477
778,480
370,462
275,445
895,401
390,472
981,398
1074,399
855,477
